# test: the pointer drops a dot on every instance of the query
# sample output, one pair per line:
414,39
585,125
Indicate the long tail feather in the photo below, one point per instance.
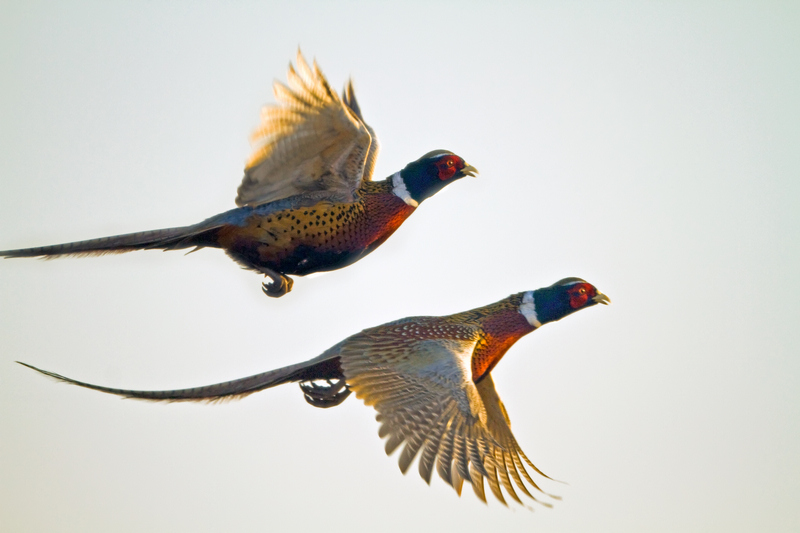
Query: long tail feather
164,239
319,368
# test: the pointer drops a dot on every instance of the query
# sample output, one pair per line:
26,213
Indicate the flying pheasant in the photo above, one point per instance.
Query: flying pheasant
307,202
430,380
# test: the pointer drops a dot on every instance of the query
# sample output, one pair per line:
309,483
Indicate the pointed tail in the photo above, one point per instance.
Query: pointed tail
163,239
325,367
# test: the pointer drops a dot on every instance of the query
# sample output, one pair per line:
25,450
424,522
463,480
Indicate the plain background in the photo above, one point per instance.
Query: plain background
649,147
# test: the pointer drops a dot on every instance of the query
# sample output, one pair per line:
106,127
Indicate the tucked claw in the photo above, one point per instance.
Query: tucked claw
278,286
325,393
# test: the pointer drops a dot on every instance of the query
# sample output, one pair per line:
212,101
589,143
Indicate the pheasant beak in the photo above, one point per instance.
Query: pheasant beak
469,170
601,298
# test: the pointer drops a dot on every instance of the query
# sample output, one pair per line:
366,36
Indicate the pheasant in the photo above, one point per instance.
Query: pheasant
429,378
307,202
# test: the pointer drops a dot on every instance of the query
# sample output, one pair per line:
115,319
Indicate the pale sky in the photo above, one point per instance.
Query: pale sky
650,148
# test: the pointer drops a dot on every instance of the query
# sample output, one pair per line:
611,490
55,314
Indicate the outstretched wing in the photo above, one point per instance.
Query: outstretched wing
310,141
425,398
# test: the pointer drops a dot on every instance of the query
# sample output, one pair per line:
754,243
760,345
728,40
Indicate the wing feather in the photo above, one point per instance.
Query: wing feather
444,465
502,471
511,465
349,98
428,458
500,427
461,459
492,480
458,481
311,140
477,483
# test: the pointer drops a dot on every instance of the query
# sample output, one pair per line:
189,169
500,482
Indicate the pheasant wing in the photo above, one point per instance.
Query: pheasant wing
417,375
309,141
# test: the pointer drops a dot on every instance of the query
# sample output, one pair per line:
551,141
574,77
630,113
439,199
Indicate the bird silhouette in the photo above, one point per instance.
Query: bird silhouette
429,378
307,202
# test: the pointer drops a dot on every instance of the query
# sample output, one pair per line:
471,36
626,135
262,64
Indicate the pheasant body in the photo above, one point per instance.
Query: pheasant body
429,379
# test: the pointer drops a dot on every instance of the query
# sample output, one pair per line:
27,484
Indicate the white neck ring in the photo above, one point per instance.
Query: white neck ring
528,310
400,190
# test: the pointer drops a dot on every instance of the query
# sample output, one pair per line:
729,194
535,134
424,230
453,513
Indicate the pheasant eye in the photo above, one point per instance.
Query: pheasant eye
579,295
447,167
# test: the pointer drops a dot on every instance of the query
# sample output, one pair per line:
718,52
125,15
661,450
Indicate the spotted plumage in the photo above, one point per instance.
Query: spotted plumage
429,378
324,236
307,202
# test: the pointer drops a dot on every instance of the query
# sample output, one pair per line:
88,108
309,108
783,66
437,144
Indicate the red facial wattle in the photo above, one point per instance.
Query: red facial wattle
448,166
579,294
